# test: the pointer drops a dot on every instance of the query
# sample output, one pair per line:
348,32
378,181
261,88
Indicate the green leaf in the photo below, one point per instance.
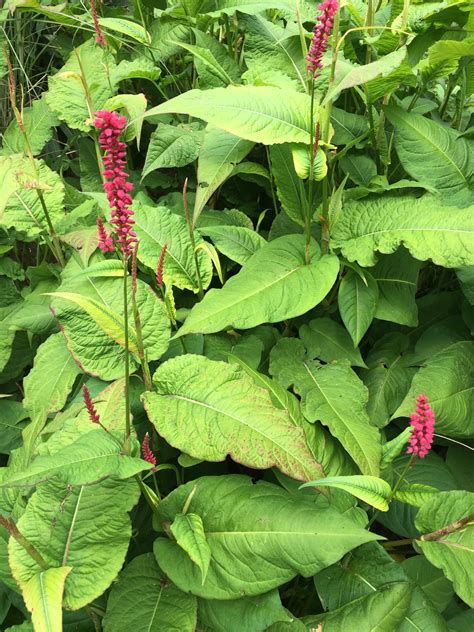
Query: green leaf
260,536
415,494
135,106
452,550
73,512
87,460
260,114
357,300
327,340
273,285
99,349
38,121
370,489
220,69
359,167
380,611
137,68
242,615
12,414
446,379
236,242
210,409
171,146
126,27
427,228
157,226
334,395
433,153
219,154
348,76
432,581
188,531
145,600
228,7
51,379
20,207
207,58
66,94
290,189
397,280
43,595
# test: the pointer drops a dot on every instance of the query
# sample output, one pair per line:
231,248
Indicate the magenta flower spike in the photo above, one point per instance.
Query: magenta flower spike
106,243
99,36
148,455
91,409
321,32
116,186
422,428
159,267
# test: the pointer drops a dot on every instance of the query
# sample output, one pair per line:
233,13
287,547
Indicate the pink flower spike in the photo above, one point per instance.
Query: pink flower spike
99,36
159,268
148,455
91,409
422,423
106,243
116,186
321,32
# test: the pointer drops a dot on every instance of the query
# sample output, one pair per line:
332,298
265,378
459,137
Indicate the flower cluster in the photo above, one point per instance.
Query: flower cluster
148,455
159,267
422,428
321,32
106,243
116,186
91,409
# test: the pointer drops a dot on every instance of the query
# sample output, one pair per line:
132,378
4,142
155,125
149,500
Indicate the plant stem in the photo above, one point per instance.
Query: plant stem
127,442
32,551
309,211
401,478
138,325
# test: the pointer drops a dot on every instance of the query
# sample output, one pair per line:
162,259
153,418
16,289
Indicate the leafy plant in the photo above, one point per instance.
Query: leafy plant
236,307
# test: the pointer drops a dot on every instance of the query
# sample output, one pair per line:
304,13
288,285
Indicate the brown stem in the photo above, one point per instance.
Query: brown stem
450,528
12,529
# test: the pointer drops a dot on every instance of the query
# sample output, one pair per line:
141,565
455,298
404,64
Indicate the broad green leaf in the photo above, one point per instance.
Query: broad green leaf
39,122
210,409
171,146
426,227
273,285
20,207
73,512
333,395
327,340
87,460
433,153
466,279
251,7
157,226
447,380
12,414
397,281
236,242
126,27
95,350
415,494
51,379
388,378
290,188
359,167
219,154
452,549
370,489
188,531
144,600
43,595
207,58
210,74
348,76
431,580
380,611
357,300
242,615
347,126
259,114
302,161
136,68
66,94
368,569
260,536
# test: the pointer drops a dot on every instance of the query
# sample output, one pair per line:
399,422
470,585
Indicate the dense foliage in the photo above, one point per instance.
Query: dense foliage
236,305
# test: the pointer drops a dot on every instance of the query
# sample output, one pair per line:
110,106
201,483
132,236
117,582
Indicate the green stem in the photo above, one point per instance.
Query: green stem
309,211
127,442
191,236
401,478
12,529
